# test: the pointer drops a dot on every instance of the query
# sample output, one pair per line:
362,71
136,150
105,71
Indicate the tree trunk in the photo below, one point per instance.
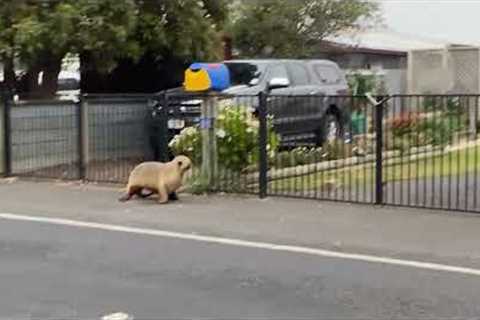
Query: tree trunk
91,81
10,79
51,70
29,81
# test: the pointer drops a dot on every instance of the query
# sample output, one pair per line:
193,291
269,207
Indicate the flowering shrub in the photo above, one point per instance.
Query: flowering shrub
404,123
415,130
236,136
188,143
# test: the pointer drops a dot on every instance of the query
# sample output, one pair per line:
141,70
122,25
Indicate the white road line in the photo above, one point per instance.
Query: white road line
248,244
117,316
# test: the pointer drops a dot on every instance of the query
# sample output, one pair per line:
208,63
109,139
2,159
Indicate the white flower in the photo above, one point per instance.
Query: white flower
249,130
225,103
173,142
221,133
190,131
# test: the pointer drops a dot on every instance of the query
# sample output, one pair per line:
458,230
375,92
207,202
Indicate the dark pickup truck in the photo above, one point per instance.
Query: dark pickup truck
305,98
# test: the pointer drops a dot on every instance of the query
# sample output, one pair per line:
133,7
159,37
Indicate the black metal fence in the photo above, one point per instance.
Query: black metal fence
94,138
406,150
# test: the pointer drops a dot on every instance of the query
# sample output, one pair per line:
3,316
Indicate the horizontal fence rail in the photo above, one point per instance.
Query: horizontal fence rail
406,150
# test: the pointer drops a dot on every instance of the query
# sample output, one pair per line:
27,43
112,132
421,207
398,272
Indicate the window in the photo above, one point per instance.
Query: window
327,74
299,74
242,73
278,71
68,84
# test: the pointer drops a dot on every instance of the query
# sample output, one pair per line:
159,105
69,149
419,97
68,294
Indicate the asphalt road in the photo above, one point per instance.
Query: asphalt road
51,271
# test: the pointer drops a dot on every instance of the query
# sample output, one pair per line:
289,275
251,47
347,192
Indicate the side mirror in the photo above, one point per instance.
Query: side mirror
277,83
254,82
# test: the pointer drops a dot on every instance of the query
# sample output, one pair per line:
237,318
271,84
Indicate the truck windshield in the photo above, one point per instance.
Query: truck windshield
243,73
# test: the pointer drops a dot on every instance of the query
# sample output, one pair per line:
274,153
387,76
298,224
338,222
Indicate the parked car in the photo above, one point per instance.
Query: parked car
305,98
68,86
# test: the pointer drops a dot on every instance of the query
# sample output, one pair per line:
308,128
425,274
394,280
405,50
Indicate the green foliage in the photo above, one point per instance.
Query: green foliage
360,84
188,143
449,105
438,132
38,34
298,157
411,130
333,150
236,136
286,28
186,29
197,185
42,29
105,29
404,123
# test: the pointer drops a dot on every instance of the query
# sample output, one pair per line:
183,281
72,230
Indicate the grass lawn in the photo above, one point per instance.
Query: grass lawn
460,162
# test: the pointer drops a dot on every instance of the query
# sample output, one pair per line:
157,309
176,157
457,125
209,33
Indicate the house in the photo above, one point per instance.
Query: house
382,52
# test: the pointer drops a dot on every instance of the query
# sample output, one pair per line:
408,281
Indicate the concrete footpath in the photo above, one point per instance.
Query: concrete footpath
440,237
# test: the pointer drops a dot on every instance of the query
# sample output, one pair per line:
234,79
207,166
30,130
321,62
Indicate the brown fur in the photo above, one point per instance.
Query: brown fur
157,177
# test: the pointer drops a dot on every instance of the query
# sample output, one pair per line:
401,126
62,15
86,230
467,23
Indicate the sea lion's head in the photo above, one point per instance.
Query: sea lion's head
183,163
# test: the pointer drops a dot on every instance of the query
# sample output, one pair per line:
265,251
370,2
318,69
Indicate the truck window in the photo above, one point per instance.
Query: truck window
278,71
242,73
327,74
299,74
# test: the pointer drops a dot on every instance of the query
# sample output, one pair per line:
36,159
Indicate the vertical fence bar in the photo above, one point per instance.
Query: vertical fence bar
262,143
7,134
83,137
379,152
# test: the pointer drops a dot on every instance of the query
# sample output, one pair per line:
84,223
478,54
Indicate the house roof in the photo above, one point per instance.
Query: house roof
388,41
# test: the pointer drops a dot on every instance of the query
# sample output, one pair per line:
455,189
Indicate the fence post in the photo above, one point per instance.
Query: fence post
5,133
2,136
83,138
209,145
262,144
379,151
163,141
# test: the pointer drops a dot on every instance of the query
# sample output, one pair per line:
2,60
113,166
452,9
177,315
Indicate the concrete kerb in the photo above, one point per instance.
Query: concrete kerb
390,158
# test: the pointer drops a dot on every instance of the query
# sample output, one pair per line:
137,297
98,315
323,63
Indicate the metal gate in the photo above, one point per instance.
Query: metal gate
409,150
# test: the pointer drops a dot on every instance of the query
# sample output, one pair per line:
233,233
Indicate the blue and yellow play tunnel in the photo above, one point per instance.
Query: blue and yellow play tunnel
206,77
